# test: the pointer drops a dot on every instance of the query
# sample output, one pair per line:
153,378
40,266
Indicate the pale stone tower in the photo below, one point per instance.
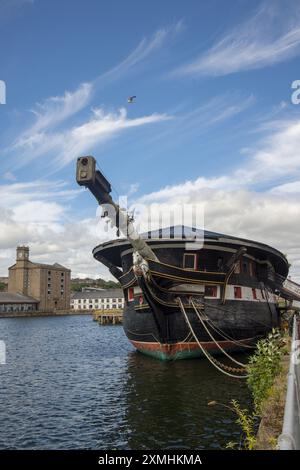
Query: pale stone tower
20,282
22,253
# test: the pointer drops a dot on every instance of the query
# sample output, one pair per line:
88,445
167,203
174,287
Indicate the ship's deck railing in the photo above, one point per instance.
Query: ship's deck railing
290,437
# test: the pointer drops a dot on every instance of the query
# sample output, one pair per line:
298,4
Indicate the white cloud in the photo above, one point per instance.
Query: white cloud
270,36
276,156
265,217
56,109
38,211
69,242
233,205
70,143
133,188
38,214
287,188
203,118
42,137
14,194
145,48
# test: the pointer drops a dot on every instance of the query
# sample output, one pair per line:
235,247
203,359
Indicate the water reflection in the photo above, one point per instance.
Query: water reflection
166,404
70,384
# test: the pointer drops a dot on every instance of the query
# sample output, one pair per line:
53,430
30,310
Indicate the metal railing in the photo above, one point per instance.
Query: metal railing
290,437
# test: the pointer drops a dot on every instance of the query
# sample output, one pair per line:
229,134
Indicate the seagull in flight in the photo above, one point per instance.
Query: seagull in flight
131,99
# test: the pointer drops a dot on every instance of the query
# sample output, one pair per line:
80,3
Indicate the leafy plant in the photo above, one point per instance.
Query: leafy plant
263,367
246,421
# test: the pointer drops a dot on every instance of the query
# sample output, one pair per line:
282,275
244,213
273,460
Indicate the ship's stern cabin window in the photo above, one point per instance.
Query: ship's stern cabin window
245,267
211,291
237,292
190,261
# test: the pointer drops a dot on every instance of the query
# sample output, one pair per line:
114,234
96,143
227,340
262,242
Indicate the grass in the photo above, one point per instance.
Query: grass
272,411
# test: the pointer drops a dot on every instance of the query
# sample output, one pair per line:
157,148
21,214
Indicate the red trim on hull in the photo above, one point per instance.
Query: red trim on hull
173,349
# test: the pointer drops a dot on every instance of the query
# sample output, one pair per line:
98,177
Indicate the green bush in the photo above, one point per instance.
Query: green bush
263,367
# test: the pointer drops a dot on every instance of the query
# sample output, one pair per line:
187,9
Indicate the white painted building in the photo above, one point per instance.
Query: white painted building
97,300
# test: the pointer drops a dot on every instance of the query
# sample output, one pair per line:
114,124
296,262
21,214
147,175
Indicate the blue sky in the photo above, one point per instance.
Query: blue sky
213,120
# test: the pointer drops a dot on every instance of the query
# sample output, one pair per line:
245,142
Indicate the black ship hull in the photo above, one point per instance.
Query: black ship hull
230,302
164,334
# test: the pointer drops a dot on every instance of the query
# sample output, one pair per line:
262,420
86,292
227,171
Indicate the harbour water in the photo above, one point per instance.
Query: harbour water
71,384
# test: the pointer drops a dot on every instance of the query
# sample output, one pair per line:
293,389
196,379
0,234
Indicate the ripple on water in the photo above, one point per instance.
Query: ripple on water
69,383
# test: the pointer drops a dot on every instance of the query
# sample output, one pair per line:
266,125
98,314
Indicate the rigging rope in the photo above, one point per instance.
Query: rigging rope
224,335
213,339
218,365
228,311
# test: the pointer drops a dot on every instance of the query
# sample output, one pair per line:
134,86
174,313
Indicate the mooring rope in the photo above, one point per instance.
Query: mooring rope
218,365
227,337
213,339
221,332
228,311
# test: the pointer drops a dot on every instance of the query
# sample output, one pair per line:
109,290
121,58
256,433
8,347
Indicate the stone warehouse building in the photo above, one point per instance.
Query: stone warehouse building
98,299
49,284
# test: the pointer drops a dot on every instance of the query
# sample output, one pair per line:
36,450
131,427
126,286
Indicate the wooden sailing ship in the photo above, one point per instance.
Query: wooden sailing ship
183,301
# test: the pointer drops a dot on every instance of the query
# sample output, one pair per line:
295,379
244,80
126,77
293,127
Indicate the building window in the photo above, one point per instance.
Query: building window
254,294
190,261
245,267
211,291
237,292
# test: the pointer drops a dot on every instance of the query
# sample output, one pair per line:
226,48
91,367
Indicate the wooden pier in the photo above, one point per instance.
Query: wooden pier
108,316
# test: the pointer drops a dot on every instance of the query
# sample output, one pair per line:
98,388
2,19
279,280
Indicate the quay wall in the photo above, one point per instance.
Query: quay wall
41,313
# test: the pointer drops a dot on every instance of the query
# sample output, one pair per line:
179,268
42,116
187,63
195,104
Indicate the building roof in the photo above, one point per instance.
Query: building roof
104,294
92,289
8,298
51,266
44,266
